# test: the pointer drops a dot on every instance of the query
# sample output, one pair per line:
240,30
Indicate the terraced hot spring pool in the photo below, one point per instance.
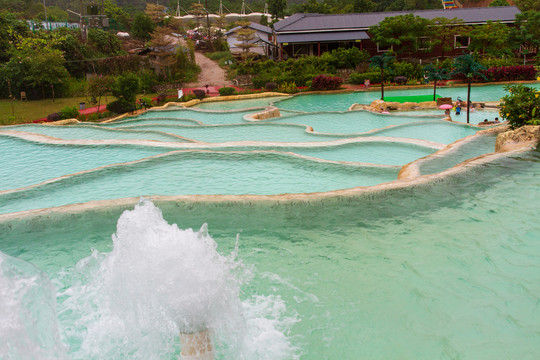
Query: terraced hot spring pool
300,259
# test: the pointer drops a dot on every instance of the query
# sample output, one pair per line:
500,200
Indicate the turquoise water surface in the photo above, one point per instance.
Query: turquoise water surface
448,269
342,102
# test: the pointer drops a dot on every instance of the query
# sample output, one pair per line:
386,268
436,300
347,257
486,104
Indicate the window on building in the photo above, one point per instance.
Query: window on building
424,43
461,42
381,48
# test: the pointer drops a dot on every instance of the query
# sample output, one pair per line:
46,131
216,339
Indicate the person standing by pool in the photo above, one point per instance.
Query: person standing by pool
458,108
367,83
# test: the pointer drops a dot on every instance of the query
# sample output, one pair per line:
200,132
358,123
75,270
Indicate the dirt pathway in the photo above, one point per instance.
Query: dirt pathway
211,74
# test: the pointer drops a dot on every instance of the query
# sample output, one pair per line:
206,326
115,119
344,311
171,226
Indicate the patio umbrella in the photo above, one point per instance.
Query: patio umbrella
445,106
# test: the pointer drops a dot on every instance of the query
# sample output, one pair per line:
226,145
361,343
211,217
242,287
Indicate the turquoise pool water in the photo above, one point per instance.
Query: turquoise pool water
439,131
28,163
479,146
239,104
208,118
350,122
384,153
475,117
90,132
241,132
215,173
342,102
447,269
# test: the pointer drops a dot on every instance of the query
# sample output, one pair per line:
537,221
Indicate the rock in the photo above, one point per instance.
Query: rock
525,136
62,122
273,112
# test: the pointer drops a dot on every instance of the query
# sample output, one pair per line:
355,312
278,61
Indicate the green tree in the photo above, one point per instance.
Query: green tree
363,6
526,32
381,62
35,65
99,86
246,36
142,27
11,30
104,42
490,38
126,87
443,32
498,3
277,9
156,12
401,32
435,74
163,49
466,65
116,13
197,10
528,5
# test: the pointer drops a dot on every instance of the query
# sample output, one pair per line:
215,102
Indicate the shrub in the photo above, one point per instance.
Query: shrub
53,117
81,117
69,112
405,69
199,93
289,88
323,82
225,91
93,117
127,87
511,73
187,97
121,106
521,106
146,102
348,58
490,62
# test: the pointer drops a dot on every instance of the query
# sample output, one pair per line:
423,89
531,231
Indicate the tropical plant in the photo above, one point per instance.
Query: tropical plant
521,106
466,65
435,74
382,62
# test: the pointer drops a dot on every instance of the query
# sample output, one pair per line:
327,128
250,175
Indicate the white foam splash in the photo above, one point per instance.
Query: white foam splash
28,324
159,280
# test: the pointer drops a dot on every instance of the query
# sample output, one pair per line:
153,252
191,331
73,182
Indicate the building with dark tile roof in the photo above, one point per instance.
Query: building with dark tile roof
313,34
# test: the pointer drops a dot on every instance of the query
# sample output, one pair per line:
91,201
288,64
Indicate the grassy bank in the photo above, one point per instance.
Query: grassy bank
28,111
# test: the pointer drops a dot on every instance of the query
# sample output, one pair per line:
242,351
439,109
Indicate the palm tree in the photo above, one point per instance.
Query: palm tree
466,65
382,63
435,74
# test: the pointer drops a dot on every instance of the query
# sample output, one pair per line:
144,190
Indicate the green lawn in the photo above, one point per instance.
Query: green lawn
28,111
